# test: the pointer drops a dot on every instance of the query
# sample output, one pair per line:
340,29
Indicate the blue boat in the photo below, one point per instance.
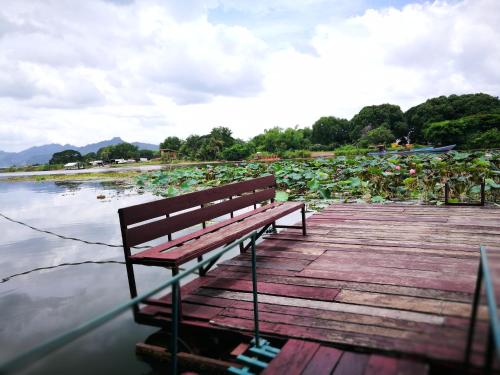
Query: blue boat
423,150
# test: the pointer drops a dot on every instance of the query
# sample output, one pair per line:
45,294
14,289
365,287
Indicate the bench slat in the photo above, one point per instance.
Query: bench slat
198,233
216,239
150,231
147,211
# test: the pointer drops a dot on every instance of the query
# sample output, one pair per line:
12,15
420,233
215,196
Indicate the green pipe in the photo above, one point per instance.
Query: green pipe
27,358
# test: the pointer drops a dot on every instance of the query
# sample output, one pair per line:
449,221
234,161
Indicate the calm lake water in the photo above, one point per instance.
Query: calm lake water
40,305
43,304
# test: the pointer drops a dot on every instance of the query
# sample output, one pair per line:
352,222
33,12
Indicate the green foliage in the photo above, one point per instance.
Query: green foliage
295,154
149,154
277,140
371,179
207,147
90,156
120,151
66,156
372,117
238,151
171,143
448,108
476,131
350,150
330,130
380,135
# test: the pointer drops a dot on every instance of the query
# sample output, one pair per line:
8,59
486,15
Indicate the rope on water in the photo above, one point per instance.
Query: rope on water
65,237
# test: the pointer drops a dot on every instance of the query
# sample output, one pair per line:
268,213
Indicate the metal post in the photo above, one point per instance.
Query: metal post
303,211
472,322
255,292
175,327
446,192
482,193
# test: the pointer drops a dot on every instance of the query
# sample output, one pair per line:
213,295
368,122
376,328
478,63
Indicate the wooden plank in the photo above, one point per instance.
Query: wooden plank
293,358
352,364
146,211
410,303
329,306
320,294
160,228
407,367
151,252
450,330
358,340
381,365
211,241
188,311
186,360
323,362
435,283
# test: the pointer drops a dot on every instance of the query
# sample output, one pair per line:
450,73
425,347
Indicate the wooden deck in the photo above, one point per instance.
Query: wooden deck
395,280
298,357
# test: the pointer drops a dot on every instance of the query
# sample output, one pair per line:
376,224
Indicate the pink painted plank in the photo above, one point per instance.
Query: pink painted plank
351,364
293,358
323,362
381,365
457,285
313,293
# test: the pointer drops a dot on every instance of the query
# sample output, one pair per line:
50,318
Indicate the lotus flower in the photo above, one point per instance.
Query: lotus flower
398,167
413,171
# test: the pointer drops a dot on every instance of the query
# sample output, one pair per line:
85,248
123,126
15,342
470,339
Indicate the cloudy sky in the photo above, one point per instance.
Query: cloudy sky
83,71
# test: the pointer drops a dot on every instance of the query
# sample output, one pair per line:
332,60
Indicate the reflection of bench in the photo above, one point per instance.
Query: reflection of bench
148,221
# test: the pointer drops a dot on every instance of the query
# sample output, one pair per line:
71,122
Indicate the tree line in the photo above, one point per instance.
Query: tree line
470,121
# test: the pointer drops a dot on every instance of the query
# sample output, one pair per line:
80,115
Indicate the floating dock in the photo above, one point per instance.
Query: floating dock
392,281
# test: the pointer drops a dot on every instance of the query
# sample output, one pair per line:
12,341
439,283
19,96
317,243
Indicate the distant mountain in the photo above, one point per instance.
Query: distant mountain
42,154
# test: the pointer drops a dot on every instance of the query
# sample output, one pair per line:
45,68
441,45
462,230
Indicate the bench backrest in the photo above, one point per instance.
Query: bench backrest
138,224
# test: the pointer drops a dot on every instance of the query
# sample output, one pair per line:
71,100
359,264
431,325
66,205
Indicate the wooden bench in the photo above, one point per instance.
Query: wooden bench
162,218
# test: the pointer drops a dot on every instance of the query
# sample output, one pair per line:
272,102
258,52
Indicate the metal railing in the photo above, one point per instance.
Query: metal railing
493,340
40,351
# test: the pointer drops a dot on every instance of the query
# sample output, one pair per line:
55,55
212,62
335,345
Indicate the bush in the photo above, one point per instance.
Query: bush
295,154
350,150
380,135
238,151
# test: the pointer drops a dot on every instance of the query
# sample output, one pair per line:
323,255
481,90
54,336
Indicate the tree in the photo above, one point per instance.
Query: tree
238,151
371,117
279,140
191,146
149,154
90,156
124,151
380,135
330,130
119,151
448,108
171,143
222,135
465,132
66,156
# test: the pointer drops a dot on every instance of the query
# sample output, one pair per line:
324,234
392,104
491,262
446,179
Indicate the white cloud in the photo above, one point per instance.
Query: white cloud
78,72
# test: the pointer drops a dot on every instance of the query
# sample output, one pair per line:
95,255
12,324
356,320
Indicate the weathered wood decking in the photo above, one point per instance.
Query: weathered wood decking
380,279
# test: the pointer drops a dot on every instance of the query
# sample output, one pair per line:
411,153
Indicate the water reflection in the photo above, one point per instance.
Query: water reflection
40,305
43,304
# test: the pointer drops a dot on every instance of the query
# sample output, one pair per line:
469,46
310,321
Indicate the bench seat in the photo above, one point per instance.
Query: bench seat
176,252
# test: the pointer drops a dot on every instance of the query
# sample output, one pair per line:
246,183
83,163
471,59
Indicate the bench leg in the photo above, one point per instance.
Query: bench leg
175,271
273,225
132,285
303,211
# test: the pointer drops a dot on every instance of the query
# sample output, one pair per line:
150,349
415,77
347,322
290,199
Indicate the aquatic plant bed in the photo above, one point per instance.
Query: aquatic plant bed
371,179
388,279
